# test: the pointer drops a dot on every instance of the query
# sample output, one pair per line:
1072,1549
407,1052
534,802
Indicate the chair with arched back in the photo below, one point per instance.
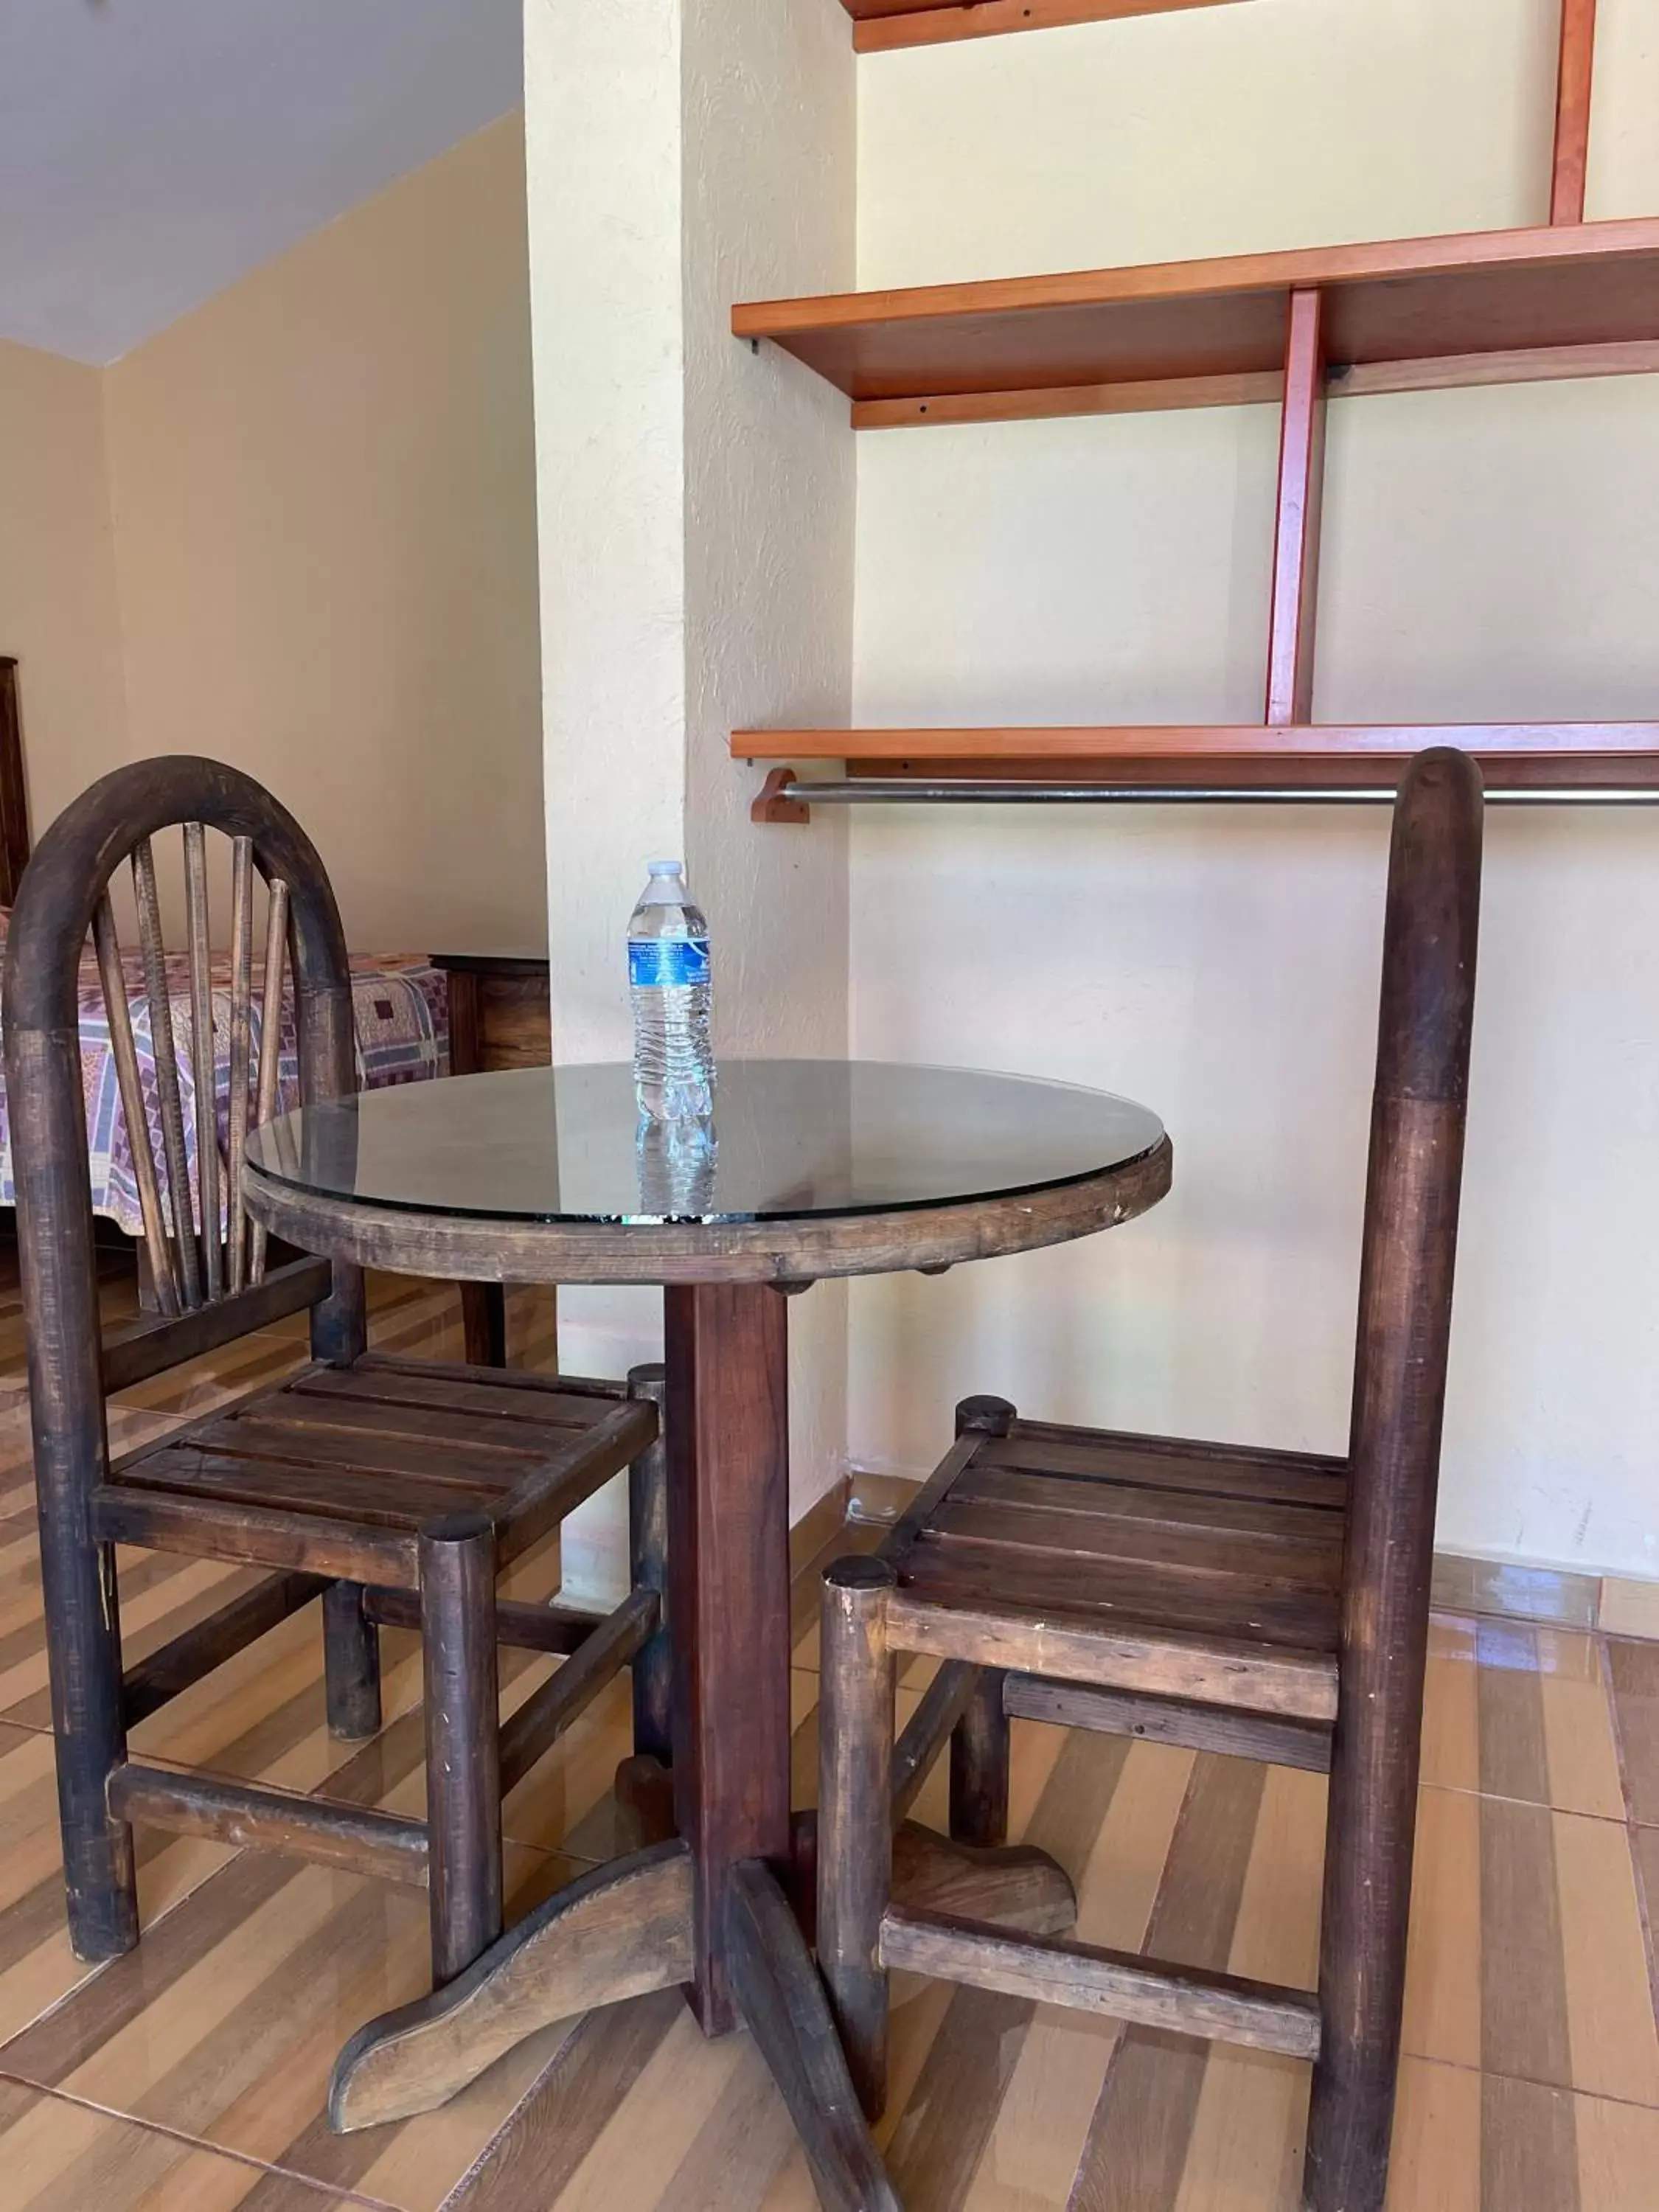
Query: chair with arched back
392,1489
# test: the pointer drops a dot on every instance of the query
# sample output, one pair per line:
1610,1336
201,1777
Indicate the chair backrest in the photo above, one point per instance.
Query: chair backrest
1411,1195
209,1262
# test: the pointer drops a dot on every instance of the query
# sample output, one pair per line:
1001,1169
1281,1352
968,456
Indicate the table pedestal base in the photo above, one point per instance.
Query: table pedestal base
627,1930
622,1931
707,1908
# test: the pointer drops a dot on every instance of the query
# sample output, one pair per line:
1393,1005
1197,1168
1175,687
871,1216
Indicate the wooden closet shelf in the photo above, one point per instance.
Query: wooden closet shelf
1507,304
1519,754
880,25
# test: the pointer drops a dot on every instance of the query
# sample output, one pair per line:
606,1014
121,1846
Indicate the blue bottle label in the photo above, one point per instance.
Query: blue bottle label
667,964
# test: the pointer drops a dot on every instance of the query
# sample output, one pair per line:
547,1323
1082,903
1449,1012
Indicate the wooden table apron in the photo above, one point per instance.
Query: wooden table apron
726,1358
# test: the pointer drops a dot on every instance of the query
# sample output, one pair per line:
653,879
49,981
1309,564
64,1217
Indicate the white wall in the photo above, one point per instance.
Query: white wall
696,530
769,477
1486,553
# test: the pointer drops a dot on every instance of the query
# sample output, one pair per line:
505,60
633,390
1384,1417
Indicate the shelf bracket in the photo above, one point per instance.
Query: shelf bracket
1295,528
771,803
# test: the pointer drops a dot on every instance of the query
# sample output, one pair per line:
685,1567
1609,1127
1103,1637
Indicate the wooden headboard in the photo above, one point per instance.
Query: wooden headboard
13,791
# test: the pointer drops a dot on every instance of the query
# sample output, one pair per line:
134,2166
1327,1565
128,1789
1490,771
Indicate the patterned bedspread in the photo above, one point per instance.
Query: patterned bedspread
402,1007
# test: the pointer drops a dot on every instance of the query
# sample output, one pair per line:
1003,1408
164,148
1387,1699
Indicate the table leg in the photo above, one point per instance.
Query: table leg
728,1566
484,1324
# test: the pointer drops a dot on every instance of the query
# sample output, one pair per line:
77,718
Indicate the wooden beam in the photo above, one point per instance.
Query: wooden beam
1296,516
1159,395
1574,74
881,24
1519,365
1304,1744
1050,1969
521,1627
1259,387
548,1711
360,1840
250,1535
207,1644
943,1704
151,1346
1261,1678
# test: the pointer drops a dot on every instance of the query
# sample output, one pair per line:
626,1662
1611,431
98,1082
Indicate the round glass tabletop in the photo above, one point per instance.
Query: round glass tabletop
789,1139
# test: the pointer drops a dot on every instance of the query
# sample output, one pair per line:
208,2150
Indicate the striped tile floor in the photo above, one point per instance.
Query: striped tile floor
189,2075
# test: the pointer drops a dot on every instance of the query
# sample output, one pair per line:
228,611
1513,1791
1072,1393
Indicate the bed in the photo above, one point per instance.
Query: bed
401,1002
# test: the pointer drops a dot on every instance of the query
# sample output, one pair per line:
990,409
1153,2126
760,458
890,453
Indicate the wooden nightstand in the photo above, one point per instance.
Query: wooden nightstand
500,1016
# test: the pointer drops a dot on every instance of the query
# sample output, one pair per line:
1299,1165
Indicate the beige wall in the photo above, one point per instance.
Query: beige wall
57,605
1486,553
323,485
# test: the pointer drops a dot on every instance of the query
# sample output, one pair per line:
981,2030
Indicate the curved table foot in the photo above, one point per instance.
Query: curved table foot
1015,1885
620,1931
782,2001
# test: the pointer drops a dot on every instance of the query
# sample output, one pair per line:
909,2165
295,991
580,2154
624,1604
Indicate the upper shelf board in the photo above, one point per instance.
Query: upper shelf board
878,26
1480,293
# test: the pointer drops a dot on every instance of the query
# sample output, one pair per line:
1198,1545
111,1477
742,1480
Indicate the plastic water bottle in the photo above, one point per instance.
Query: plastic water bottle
678,1165
668,981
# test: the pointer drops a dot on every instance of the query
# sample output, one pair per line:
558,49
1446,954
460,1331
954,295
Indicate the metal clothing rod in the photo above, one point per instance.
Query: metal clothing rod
974,791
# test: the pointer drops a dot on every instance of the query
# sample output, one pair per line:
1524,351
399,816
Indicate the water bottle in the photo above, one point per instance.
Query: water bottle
678,1164
668,981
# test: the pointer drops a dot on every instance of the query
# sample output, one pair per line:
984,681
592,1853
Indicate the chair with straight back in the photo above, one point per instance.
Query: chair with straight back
394,1490
1272,1605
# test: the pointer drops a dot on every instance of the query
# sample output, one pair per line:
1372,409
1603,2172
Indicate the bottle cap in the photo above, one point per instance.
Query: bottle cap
665,867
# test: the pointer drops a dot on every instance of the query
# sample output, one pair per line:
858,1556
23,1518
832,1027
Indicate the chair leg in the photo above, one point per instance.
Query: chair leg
463,1738
648,1522
1362,1984
979,1742
83,1639
979,1766
1371,1830
855,1824
351,1664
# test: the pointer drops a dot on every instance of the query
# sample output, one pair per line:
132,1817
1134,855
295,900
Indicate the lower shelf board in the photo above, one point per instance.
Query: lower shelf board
1239,756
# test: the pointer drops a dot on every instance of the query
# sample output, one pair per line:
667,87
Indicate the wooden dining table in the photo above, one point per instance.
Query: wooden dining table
809,1170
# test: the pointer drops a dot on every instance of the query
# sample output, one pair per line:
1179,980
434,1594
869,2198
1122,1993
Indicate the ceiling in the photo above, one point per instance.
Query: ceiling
153,151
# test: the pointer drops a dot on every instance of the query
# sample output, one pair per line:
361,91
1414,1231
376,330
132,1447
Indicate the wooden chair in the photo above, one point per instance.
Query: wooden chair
1272,1605
395,1491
